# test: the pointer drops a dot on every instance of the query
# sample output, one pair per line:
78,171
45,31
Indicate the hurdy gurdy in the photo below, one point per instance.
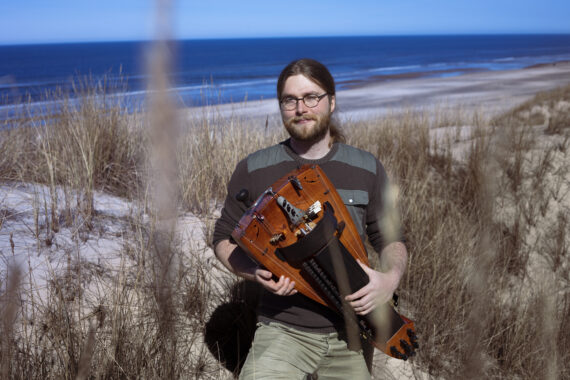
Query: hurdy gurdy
300,228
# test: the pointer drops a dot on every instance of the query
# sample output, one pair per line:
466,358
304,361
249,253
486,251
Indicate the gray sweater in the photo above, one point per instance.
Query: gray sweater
360,180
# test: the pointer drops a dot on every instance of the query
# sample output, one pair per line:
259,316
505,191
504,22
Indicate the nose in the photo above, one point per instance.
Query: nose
300,107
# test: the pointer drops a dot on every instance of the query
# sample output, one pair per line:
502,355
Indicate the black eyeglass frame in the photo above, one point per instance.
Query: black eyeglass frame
318,97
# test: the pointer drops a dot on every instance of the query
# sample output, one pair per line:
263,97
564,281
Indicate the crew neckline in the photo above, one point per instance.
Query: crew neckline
289,150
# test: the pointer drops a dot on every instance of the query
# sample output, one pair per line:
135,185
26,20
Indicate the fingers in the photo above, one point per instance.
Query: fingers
358,294
375,293
363,307
365,267
265,274
361,304
284,286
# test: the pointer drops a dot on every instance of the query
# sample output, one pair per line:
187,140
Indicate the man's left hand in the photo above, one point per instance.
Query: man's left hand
378,291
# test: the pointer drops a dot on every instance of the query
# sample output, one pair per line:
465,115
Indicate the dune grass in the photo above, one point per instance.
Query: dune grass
483,213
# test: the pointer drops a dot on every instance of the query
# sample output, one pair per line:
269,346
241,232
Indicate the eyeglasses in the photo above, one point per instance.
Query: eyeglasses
289,103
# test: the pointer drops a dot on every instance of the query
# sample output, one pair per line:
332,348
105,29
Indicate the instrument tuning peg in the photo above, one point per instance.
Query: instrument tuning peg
243,197
397,354
407,348
296,183
413,338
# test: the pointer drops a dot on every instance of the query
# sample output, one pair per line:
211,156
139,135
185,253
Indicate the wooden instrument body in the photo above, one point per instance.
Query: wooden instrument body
265,228
265,219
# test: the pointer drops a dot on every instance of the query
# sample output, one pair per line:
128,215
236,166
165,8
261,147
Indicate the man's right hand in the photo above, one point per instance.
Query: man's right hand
283,287
233,258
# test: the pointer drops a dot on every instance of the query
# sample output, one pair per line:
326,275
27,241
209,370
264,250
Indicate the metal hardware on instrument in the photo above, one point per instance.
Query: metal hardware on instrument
277,238
296,183
314,210
294,214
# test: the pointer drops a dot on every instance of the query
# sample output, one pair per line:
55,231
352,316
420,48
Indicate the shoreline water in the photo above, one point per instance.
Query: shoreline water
495,91
458,71
209,72
357,83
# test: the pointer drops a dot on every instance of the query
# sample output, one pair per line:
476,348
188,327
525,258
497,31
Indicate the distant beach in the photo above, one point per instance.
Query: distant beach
491,91
373,74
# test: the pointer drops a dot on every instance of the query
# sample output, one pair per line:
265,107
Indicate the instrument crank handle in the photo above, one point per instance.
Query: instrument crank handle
243,197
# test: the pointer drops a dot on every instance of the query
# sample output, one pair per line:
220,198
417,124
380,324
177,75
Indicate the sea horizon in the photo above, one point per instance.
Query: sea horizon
226,70
287,37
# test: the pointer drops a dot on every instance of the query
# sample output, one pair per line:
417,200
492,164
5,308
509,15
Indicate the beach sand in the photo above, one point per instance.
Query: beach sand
491,91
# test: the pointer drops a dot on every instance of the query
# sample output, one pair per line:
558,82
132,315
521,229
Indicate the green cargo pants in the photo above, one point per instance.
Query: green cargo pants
282,352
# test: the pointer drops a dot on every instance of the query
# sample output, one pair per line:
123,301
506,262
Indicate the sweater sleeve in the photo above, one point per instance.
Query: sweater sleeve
233,209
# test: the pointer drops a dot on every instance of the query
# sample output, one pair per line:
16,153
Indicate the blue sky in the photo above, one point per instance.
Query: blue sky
35,21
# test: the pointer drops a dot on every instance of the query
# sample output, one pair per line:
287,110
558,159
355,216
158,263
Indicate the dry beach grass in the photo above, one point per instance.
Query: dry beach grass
485,208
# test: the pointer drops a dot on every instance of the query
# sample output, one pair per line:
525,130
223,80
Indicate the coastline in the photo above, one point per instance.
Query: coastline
494,91
357,83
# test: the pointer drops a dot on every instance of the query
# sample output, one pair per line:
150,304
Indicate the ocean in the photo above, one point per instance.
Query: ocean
233,70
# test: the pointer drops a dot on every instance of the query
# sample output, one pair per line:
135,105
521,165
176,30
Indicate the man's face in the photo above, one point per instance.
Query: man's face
304,123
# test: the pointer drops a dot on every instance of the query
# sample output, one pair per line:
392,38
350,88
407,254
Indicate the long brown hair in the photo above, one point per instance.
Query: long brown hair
318,73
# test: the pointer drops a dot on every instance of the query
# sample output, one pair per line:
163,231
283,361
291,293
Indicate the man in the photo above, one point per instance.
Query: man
296,336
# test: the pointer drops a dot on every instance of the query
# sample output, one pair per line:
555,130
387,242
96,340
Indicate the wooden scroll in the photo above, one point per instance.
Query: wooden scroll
301,229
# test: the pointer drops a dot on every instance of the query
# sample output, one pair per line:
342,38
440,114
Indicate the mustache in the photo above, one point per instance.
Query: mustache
296,119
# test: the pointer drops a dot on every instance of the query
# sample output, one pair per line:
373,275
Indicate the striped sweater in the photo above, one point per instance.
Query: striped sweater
360,180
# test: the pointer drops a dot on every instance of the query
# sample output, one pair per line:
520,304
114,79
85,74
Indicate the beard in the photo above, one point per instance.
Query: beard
308,134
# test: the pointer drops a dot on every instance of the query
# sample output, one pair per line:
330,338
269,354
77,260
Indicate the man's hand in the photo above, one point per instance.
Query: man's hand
283,287
377,292
233,258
